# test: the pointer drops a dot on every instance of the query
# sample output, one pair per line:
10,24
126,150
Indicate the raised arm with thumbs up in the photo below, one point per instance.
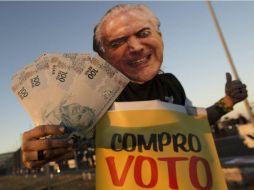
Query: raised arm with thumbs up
235,91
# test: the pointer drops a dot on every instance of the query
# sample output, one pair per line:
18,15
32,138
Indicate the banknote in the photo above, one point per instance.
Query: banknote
72,90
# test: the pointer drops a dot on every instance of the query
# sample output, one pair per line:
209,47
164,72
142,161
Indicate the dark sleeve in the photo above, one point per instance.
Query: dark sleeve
214,113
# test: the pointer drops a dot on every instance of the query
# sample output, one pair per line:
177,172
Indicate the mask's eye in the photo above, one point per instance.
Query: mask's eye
143,33
118,42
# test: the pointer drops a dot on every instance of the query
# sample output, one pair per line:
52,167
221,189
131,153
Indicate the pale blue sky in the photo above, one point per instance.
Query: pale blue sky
192,52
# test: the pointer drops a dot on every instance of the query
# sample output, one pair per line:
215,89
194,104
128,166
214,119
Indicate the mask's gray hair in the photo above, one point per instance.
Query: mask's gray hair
114,11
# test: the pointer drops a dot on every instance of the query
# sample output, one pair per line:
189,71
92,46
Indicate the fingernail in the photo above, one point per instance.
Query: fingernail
62,129
70,142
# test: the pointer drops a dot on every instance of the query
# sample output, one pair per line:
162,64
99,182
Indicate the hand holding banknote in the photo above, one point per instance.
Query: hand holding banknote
65,95
36,150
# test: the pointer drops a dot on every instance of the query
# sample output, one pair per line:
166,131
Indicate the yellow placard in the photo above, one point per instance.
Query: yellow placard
156,146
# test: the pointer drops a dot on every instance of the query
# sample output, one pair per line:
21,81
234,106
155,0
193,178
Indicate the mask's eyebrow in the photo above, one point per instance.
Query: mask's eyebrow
118,41
143,32
124,37
143,29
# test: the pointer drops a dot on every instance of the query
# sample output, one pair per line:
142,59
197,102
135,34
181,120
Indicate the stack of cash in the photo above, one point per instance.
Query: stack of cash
71,90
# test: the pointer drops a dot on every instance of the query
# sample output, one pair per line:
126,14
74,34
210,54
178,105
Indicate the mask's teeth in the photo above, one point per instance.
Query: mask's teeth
140,61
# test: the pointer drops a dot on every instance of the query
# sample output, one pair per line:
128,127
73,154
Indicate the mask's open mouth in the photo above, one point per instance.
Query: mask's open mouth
141,61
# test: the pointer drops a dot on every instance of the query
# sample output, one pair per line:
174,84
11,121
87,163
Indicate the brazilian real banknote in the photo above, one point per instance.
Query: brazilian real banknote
72,90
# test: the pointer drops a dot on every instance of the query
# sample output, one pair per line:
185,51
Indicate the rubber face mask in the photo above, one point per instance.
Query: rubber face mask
133,45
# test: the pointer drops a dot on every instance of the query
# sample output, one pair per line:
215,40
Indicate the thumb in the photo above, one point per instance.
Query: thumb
228,77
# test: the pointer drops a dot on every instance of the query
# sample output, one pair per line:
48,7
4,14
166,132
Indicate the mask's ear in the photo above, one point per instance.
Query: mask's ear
96,44
101,53
97,47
